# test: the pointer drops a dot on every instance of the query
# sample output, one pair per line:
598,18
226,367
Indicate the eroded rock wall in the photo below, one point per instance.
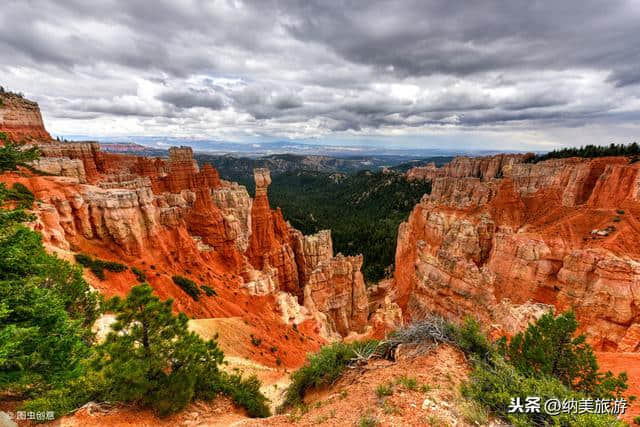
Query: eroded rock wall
21,120
483,168
336,288
331,288
561,233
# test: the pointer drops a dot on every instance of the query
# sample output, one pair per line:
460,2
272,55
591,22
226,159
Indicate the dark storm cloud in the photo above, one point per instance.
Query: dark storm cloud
427,37
284,67
193,98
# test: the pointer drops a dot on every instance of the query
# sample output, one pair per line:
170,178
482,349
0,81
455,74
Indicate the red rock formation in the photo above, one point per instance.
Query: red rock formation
559,232
178,219
206,221
484,168
311,251
61,166
336,288
20,119
88,152
235,203
164,217
270,244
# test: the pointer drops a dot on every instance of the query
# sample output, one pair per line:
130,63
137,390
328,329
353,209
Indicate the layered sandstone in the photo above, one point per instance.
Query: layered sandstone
87,152
336,288
562,233
177,218
331,288
483,168
61,166
235,203
311,251
20,119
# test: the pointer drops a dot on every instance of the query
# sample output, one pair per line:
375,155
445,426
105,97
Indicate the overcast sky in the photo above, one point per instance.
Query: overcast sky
484,74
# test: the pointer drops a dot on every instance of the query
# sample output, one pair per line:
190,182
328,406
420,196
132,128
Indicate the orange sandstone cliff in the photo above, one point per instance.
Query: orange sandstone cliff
503,240
20,118
171,217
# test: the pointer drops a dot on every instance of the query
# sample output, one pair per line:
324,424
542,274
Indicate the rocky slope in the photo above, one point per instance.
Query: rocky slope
173,214
20,118
170,216
352,400
496,232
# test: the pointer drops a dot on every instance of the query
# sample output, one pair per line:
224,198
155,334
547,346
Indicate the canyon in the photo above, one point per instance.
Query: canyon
169,217
501,238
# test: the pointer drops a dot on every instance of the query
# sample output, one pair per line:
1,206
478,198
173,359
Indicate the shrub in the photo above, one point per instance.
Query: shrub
323,368
475,414
187,285
384,390
97,266
12,155
140,276
18,193
112,266
368,420
636,420
245,393
209,291
422,335
493,384
255,341
548,348
84,260
152,358
470,339
97,270
409,383
546,361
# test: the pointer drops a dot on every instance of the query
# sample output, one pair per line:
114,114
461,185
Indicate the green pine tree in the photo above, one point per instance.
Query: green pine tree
12,155
550,348
152,358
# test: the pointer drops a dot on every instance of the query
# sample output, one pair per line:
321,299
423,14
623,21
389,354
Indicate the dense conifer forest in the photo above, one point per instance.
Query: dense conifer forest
362,210
631,150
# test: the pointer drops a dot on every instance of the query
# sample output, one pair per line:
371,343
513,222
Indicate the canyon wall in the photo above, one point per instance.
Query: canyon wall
20,119
173,214
330,288
484,168
501,233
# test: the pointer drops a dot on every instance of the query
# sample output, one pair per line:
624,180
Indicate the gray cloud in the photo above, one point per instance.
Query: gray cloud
193,98
285,68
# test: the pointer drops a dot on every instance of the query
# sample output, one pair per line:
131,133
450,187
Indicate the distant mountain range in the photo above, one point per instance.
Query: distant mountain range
260,149
239,167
